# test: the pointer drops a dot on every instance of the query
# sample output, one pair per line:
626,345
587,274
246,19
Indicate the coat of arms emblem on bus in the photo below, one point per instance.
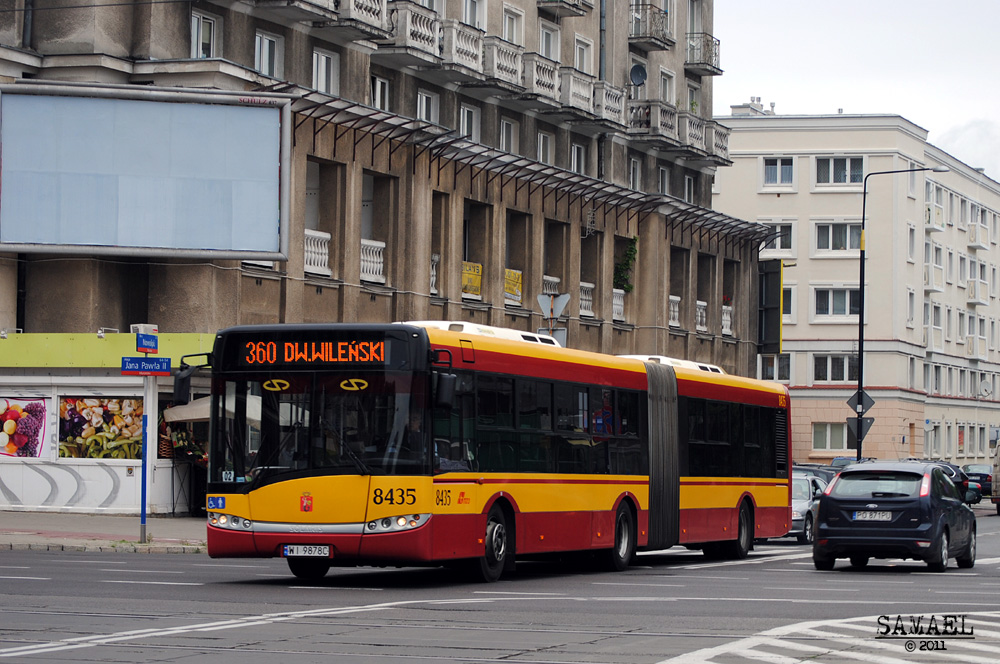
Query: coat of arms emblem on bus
306,503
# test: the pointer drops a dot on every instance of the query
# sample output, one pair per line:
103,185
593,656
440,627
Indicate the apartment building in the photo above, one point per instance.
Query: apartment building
446,159
931,281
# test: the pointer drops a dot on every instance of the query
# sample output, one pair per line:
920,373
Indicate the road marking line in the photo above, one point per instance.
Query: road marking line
28,578
152,583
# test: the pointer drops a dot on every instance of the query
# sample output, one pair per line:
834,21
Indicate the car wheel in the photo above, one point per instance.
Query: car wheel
309,569
822,563
491,565
806,536
968,557
859,561
998,509
939,561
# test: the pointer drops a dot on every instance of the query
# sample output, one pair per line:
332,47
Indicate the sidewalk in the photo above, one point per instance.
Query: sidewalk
60,531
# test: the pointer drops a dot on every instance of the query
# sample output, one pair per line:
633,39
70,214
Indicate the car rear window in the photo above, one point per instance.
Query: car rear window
877,485
977,468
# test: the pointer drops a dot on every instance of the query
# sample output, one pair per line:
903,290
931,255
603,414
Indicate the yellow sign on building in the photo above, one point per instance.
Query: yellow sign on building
472,278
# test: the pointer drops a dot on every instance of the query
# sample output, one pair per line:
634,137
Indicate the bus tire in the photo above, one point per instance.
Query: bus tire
309,569
497,547
619,557
739,548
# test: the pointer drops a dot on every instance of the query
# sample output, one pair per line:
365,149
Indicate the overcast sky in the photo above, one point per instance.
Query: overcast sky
935,63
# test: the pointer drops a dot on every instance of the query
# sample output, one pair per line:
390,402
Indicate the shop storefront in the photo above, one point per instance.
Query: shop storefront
73,429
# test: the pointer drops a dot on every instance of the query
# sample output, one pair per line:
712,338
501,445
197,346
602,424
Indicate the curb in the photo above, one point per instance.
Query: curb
105,548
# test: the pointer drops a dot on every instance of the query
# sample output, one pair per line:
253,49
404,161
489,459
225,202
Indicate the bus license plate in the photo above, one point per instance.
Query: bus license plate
873,516
305,551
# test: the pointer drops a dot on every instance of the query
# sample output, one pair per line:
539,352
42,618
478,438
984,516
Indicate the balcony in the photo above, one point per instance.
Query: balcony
674,311
576,90
934,338
461,52
414,37
691,131
975,348
717,141
550,285
586,300
700,316
541,82
649,28
609,103
562,8
933,278
978,236
297,10
727,320
373,261
933,218
317,253
653,120
702,54
513,294
977,293
356,20
502,64
617,304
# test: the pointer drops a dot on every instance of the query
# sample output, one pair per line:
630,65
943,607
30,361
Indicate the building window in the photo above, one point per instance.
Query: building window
545,147
428,105
839,170
508,135
667,87
837,302
788,304
267,54
469,122
513,19
838,237
663,181
326,72
779,238
688,189
548,40
203,35
471,12
831,436
578,158
380,93
778,171
581,59
835,368
634,174
776,367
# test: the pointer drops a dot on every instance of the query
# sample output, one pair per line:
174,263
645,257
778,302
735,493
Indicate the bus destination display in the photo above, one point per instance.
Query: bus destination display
303,353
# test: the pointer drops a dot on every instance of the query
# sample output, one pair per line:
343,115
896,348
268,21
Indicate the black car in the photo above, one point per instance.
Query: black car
958,476
825,473
981,473
894,510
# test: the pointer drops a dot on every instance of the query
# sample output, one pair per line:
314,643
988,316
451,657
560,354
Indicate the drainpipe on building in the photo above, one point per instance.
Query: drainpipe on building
26,36
600,75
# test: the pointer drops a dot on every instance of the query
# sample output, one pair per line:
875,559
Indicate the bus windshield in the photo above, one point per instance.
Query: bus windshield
275,426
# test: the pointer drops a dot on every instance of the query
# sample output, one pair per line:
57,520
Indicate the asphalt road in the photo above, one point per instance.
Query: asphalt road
674,606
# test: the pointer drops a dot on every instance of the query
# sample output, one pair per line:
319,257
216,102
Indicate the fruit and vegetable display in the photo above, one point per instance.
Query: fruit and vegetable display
96,428
22,427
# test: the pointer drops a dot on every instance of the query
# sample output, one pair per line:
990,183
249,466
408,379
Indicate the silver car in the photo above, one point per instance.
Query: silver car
806,492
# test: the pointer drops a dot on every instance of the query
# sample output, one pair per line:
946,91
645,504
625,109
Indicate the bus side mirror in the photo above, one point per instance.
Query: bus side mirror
182,384
444,390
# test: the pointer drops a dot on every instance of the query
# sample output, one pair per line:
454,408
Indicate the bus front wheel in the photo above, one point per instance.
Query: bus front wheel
738,548
309,569
492,563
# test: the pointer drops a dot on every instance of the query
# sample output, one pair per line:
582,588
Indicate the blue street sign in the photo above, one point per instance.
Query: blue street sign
146,343
145,366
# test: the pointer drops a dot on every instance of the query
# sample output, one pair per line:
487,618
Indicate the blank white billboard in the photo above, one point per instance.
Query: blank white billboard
162,177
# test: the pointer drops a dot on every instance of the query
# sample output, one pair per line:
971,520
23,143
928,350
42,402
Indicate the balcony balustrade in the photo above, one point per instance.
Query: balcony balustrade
691,131
727,320
978,236
649,28
650,118
462,49
586,300
541,77
976,348
415,34
933,218
317,253
373,261
550,285
298,10
977,292
674,311
933,278
700,316
617,304
502,61
609,103
356,19
718,140
576,89
561,8
702,54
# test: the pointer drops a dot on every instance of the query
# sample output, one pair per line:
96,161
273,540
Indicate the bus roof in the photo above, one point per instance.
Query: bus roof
485,330
674,362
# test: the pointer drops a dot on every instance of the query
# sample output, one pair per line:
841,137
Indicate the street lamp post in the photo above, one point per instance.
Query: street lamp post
860,408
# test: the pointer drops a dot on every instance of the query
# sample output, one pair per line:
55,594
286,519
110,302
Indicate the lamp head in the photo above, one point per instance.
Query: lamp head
940,169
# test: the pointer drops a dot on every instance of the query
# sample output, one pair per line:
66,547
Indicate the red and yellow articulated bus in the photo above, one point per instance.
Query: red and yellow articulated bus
403,444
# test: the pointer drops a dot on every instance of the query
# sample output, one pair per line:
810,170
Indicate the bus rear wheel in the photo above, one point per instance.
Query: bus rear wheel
739,548
492,563
309,569
620,556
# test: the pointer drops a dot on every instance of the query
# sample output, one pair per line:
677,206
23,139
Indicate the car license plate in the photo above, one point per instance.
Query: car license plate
873,516
305,551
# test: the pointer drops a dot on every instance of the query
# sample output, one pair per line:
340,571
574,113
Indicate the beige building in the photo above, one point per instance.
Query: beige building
931,343
446,159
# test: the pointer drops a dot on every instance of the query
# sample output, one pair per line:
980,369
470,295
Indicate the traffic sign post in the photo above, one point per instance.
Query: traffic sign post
149,368
860,403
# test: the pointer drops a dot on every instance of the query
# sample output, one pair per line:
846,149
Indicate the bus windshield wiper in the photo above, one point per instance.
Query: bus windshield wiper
355,459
